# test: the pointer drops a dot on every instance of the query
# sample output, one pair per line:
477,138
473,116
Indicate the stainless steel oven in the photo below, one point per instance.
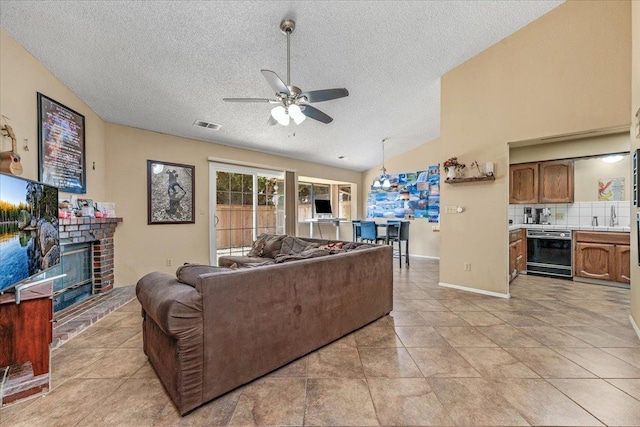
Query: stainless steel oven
549,253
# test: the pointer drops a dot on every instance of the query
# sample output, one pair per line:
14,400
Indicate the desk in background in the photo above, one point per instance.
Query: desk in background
334,221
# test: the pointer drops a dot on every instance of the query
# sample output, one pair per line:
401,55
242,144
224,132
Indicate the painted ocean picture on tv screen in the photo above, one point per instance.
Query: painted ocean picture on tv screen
29,241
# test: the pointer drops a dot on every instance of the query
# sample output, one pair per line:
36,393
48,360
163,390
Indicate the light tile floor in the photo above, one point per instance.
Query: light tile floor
556,353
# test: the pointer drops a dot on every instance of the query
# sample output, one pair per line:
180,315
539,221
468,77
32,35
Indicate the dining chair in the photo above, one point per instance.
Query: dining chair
368,231
398,232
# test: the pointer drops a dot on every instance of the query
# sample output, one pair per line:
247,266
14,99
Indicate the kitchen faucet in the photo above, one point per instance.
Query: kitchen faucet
613,220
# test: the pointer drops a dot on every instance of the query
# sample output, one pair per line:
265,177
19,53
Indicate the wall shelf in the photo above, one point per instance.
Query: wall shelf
472,179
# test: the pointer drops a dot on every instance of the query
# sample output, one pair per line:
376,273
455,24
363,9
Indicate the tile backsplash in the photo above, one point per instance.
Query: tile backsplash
577,214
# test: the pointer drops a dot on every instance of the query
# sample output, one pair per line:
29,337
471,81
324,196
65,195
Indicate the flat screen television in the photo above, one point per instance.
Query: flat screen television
29,237
323,206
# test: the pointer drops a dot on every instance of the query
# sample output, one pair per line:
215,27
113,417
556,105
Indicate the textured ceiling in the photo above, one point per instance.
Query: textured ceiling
162,65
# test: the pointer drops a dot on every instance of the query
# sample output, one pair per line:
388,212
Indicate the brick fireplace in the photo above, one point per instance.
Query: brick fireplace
95,236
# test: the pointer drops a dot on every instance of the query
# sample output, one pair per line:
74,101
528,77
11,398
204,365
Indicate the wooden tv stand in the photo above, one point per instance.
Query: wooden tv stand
26,330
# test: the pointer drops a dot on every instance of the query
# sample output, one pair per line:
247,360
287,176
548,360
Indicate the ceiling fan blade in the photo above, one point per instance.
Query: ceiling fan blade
325,94
275,82
314,113
265,100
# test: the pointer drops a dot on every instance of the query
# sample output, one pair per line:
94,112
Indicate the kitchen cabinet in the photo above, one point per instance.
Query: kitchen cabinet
602,256
556,182
623,264
523,183
541,182
516,253
595,260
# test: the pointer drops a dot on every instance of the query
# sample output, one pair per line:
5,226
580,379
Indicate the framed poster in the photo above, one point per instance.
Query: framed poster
170,193
61,147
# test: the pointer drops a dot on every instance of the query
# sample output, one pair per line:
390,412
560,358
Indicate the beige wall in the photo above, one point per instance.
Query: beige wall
424,241
616,143
21,77
142,248
587,172
555,76
635,144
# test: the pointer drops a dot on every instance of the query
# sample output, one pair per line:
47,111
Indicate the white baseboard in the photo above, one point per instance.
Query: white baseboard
474,290
635,326
424,256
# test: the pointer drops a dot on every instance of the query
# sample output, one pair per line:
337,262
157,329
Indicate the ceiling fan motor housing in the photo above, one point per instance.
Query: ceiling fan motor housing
287,26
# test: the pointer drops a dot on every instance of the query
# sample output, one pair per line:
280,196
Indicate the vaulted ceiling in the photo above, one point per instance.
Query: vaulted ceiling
161,65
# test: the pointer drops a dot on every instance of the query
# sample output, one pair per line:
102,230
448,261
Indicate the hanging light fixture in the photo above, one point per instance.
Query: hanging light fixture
383,180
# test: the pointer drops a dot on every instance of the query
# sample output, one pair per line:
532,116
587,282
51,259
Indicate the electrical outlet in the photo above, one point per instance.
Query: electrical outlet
450,209
559,215
467,266
169,262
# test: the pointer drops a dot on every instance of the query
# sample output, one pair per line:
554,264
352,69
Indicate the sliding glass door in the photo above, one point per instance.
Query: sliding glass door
245,202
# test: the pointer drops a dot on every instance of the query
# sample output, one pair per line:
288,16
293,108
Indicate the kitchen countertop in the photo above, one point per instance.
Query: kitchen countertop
617,229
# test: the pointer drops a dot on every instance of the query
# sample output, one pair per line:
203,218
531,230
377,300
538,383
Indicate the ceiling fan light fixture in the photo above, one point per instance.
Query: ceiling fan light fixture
386,183
280,114
376,183
296,114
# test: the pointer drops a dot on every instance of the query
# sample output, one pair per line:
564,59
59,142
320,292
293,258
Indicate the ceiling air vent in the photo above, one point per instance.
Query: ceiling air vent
207,125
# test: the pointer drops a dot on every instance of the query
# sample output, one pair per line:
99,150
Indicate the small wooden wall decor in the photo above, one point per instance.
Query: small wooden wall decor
10,160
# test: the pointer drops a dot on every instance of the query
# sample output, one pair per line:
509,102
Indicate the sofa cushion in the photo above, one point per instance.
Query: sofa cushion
309,253
293,245
188,273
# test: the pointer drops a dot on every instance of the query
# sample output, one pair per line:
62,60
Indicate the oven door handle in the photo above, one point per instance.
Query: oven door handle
548,237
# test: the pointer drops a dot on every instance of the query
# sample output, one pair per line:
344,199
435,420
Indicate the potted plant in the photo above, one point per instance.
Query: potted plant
452,167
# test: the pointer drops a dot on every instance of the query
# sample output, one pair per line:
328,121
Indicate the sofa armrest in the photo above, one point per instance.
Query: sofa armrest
175,307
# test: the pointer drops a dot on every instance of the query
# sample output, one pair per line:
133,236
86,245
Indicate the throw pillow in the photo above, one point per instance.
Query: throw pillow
258,246
272,245
188,273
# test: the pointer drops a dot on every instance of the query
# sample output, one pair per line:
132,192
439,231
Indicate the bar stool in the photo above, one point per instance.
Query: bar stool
356,229
399,232
368,231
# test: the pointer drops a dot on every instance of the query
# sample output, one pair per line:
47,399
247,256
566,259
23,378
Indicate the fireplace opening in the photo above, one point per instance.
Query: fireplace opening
76,263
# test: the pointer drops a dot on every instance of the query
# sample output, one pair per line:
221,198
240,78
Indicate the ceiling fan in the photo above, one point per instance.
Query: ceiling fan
291,102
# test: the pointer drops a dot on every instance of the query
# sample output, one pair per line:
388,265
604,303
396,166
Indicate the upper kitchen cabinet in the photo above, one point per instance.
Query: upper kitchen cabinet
556,182
541,182
523,183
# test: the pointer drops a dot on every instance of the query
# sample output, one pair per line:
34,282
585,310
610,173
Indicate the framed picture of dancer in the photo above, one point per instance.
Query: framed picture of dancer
170,193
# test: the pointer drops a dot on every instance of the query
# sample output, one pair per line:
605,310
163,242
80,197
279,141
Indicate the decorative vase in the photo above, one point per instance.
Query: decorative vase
451,173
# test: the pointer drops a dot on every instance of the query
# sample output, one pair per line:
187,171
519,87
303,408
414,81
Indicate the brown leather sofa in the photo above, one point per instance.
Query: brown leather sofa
216,331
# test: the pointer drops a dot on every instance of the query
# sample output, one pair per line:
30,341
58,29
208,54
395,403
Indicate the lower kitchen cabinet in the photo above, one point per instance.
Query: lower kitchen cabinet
595,261
602,256
623,264
517,259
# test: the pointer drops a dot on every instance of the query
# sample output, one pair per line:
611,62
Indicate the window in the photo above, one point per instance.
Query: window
307,193
344,201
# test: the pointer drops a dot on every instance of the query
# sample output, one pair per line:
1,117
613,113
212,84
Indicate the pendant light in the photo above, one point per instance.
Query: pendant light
383,180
